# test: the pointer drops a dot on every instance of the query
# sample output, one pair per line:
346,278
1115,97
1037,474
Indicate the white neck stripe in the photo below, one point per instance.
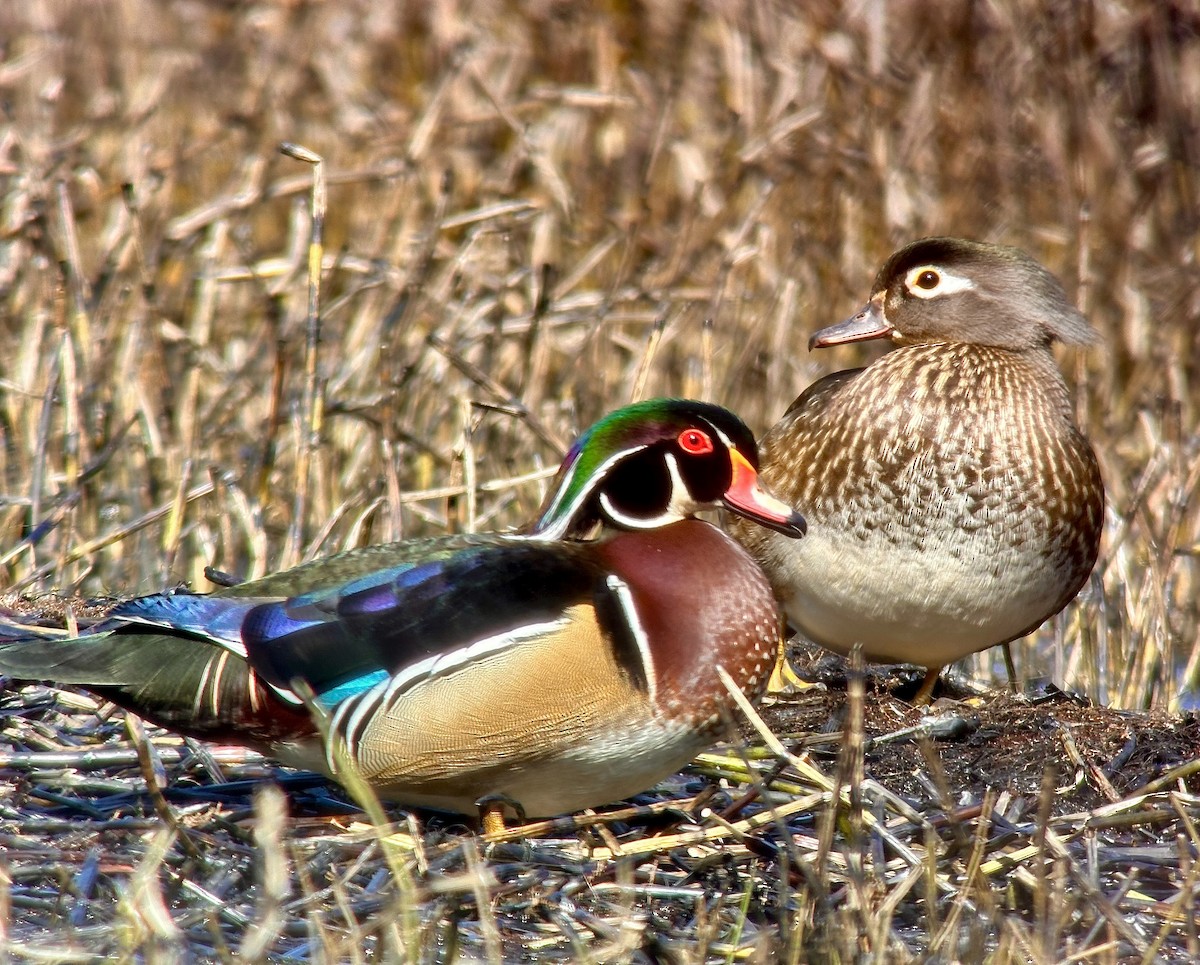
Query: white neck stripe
624,597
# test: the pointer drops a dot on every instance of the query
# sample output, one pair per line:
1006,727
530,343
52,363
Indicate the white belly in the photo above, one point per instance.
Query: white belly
928,604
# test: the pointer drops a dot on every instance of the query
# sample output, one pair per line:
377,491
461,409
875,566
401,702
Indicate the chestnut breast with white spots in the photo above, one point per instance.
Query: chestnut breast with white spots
700,601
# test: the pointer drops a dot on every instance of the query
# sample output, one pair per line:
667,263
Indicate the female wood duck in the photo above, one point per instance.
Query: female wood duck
954,504
543,669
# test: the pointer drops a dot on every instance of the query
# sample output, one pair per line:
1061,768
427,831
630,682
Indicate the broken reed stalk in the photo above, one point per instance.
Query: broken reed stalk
311,401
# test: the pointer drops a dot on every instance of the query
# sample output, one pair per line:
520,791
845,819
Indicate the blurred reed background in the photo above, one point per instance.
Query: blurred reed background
535,213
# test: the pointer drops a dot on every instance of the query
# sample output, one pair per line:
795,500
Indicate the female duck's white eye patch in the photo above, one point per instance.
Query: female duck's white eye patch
926,281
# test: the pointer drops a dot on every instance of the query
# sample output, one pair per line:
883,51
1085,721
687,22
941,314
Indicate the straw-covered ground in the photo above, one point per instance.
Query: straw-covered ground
534,213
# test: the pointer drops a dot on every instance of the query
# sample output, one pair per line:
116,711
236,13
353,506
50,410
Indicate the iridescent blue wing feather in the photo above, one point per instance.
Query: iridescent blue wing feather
210,617
345,640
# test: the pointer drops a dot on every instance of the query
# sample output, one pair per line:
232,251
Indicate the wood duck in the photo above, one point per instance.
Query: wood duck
953,503
545,670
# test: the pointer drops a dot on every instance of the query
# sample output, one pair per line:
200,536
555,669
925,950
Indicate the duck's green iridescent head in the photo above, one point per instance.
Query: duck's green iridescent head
654,463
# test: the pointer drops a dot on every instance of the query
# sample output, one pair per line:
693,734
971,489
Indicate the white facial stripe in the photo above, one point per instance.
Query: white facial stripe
948,282
557,531
682,504
724,438
635,522
625,597
357,711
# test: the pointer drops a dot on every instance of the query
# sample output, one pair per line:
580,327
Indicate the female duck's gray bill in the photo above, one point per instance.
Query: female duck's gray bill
866,324
746,497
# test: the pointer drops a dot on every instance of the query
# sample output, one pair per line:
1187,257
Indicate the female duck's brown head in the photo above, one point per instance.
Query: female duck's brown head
952,290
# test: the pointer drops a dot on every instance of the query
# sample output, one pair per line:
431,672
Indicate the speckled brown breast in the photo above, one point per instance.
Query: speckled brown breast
952,503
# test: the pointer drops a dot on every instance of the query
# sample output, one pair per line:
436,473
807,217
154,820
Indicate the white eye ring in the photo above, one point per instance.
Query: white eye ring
945,284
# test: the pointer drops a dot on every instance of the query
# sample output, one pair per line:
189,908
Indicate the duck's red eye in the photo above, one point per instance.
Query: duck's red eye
695,442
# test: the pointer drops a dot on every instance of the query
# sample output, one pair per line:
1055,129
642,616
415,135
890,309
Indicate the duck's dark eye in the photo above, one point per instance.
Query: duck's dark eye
928,279
695,442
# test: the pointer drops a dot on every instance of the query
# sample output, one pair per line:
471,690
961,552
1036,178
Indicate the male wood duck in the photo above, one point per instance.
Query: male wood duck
953,503
544,670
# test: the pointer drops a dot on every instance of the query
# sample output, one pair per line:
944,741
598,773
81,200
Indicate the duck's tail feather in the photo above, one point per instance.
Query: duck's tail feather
190,685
